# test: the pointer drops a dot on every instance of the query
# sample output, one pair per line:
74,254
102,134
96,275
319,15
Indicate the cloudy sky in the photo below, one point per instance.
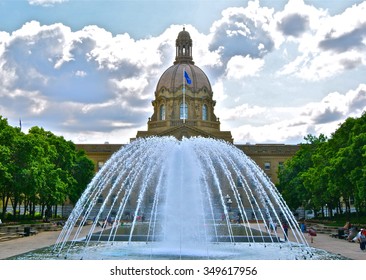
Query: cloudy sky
87,70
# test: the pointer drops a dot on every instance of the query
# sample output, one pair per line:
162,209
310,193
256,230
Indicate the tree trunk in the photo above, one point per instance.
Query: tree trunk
5,205
55,212
14,204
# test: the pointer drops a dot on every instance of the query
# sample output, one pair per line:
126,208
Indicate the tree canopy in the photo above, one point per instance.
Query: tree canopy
39,168
328,174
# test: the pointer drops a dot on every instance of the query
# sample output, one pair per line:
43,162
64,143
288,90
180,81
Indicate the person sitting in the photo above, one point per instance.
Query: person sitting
343,231
347,226
352,234
361,236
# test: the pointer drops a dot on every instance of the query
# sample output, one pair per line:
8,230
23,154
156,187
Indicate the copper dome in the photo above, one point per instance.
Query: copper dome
172,79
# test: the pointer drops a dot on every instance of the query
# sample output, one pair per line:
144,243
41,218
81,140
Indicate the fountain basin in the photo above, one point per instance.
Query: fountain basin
154,251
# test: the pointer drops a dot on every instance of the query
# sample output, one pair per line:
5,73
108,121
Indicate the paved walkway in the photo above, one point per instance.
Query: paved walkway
338,246
43,239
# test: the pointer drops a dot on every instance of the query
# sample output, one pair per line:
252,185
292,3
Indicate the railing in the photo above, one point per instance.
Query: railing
180,122
172,123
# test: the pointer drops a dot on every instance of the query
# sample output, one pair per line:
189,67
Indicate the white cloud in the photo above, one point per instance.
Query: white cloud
298,18
133,87
278,125
46,3
276,76
244,111
219,91
243,31
322,65
23,103
81,73
337,107
329,45
239,67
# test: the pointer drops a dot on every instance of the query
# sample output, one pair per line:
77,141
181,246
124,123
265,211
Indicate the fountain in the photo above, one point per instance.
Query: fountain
198,198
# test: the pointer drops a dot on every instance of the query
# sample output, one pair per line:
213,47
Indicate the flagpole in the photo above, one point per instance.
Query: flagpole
184,96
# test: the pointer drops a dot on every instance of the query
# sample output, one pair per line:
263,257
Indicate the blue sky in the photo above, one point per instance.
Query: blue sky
87,70
139,18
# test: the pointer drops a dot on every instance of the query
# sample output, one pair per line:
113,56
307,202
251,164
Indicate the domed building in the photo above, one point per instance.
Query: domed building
183,105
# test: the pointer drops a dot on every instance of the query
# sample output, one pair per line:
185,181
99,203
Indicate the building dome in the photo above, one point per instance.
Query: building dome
184,35
173,78
183,105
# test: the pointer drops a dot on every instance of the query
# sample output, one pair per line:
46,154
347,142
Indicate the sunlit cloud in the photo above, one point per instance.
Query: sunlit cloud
277,75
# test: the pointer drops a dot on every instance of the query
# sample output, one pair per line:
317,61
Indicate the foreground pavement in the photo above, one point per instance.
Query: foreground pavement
22,245
338,246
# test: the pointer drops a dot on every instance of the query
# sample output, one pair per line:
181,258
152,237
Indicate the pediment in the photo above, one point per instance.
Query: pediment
185,131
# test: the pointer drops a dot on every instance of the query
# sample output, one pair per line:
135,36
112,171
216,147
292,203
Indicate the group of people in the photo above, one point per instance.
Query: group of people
109,221
106,222
355,235
361,238
273,228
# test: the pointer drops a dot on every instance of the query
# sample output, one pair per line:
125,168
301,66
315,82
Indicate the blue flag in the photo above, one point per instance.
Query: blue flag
188,79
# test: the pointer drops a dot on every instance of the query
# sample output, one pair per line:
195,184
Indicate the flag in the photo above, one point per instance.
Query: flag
188,79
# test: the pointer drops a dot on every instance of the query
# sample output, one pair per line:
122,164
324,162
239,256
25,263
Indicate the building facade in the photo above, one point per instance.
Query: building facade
183,104
269,157
184,107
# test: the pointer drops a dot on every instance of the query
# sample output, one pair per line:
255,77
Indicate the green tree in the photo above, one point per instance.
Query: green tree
68,170
39,168
331,173
8,136
296,183
20,169
348,162
83,172
357,175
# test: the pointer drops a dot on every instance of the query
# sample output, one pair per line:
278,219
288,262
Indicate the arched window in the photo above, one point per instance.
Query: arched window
204,112
162,112
183,111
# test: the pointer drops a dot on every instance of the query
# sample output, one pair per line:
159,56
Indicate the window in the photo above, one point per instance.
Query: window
162,112
267,166
183,111
100,164
100,199
204,112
